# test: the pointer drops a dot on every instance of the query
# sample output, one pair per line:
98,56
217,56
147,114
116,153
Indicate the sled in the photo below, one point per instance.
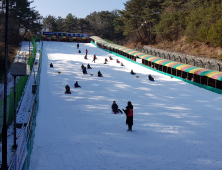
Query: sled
67,92
117,112
133,73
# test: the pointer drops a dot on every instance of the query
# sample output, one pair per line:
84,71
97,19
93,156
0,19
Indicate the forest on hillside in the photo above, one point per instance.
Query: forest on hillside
146,21
21,22
149,20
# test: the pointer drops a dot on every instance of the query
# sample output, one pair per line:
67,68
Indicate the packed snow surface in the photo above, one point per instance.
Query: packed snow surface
176,125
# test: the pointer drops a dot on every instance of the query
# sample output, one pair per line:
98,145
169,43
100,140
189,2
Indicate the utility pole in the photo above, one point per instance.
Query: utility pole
4,128
14,113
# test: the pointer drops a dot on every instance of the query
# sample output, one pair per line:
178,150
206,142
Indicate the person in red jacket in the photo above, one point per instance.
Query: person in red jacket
129,115
94,58
86,52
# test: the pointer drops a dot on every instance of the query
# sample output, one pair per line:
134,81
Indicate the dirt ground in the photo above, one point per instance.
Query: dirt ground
195,48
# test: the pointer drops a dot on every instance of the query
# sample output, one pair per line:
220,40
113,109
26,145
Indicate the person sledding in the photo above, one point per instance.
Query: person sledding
129,115
67,89
88,67
150,77
79,51
78,46
85,57
94,58
117,61
84,70
121,64
76,85
106,60
99,74
132,72
82,66
110,58
51,65
115,108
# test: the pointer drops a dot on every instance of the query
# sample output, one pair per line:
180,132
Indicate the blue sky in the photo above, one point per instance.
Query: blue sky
79,8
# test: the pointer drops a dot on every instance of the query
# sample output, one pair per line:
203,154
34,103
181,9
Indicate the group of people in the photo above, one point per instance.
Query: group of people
128,111
88,67
84,68
76,85
149,76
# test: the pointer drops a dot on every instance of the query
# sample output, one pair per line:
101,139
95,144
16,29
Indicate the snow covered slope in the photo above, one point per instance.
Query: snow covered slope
176,125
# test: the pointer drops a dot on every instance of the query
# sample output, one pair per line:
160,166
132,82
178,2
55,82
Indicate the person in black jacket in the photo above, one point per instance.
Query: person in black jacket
100,74
82,66
84,70
115,108
67,89
150,77
78,46
51,65
129,115
77,85
88,67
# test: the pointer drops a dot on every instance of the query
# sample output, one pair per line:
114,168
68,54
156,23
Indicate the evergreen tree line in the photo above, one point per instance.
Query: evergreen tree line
97,23
22,20
168,20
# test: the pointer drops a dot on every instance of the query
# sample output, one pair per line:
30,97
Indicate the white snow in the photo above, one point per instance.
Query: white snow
176,125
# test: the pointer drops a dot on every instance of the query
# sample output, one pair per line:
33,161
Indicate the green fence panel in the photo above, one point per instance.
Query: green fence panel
198,84
219,91
11,109
32,133
20,85
208,87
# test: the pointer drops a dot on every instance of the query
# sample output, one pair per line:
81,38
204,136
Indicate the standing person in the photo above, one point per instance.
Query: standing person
78,46
129,115
94,58
86,52
115,108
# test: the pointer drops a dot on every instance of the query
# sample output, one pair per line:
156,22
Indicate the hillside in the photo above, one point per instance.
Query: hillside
197,49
